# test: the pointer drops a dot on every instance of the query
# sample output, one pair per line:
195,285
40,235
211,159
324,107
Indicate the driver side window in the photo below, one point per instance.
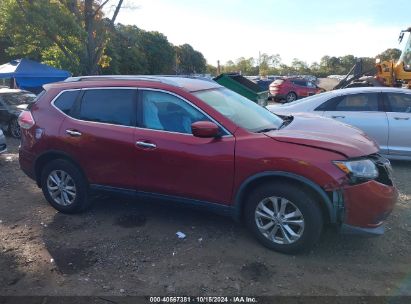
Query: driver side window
163,111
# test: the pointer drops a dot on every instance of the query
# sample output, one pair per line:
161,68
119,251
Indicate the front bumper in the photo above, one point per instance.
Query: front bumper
366,206
352,230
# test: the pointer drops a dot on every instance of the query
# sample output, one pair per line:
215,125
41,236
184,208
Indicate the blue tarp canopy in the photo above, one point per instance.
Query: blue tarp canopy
30,74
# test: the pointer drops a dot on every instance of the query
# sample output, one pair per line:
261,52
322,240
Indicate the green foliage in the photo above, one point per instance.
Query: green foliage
76,35
390,54
189,61
42,30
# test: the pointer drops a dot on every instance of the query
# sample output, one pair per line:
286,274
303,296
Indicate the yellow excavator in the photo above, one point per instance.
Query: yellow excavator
389,73
397,74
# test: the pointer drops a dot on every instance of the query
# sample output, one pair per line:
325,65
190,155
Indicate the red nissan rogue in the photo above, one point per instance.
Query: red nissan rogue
195,142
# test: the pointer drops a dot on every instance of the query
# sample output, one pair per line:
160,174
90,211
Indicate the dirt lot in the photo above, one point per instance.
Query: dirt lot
124,247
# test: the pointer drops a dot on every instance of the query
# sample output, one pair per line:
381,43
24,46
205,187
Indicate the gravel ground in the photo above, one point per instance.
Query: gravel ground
126,247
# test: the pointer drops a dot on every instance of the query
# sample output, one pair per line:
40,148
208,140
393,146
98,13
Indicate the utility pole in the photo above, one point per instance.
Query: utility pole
218,68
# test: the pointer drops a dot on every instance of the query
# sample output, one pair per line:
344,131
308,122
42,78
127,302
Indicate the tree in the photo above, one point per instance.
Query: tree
126,53
268,64
189,61
390,54
300,66
212,70
70,34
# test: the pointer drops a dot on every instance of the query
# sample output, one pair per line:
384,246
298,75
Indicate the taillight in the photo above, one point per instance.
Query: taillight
26,120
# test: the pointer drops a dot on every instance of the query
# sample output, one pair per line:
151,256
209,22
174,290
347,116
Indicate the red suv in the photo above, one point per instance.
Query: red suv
290,89
195,142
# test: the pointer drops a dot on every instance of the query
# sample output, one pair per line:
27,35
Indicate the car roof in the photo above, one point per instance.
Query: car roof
187,83
371,89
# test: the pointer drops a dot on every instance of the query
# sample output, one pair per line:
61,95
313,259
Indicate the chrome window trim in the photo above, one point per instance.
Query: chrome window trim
228,134
88,121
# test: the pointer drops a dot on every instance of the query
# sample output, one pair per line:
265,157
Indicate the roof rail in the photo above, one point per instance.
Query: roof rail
114,77
167,79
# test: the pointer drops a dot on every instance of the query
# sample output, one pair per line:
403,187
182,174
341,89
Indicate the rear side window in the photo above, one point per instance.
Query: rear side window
399,102
66,101
114,106
358,102
352,103
300,83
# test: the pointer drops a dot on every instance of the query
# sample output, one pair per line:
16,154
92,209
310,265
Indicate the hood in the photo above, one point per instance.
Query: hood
327,134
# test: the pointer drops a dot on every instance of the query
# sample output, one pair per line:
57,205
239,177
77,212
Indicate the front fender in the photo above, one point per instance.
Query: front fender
333,206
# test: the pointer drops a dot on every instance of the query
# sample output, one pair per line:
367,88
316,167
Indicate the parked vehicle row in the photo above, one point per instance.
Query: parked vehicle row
195,142
289,89
384,114
12,103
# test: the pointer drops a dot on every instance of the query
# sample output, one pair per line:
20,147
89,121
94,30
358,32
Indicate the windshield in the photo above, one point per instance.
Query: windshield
240,110
16,99
406,55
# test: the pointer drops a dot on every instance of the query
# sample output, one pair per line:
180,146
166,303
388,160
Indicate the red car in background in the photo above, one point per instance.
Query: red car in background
195,142
290,89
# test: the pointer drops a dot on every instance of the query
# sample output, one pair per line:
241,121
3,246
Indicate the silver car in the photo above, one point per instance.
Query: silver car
383,113
3,145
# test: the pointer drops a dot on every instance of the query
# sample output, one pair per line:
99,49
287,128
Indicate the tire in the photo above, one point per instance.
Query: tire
14,128
291,96
73,182
306,225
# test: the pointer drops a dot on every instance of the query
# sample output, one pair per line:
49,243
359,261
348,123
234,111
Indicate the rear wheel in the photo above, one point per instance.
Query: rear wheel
64,186
291,96
283,217
14,128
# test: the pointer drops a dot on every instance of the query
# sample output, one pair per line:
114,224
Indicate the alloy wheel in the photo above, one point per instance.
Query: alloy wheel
291,97
61,187
279,220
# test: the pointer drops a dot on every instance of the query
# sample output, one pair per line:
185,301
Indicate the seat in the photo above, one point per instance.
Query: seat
150,115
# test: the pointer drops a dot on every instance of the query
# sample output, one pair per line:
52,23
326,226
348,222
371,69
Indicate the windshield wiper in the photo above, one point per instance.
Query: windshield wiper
266,130
286,121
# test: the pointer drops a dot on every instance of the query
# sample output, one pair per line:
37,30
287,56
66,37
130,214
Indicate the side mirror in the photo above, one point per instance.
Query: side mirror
204,129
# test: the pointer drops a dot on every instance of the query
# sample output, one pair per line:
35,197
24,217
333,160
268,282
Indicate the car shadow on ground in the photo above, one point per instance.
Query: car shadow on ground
117,225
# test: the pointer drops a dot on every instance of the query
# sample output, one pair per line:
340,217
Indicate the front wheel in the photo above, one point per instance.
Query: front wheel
64,186
283,217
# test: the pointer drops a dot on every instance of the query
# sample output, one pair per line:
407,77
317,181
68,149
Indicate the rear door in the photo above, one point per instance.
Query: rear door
364,111
99,134
300,87
399,119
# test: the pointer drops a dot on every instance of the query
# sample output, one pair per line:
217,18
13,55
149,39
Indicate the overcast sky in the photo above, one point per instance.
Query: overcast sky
229,29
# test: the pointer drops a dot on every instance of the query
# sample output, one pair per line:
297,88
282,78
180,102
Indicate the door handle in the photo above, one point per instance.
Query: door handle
73,133
338,116
401,118
146,145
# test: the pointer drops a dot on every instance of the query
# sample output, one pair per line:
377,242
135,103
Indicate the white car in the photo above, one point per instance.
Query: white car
383,113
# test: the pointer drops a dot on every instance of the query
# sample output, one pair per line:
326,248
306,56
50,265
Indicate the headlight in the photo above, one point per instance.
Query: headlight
361,169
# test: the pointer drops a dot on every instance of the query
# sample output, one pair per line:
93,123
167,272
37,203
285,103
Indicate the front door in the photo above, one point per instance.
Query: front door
171,161
364,111
399,118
